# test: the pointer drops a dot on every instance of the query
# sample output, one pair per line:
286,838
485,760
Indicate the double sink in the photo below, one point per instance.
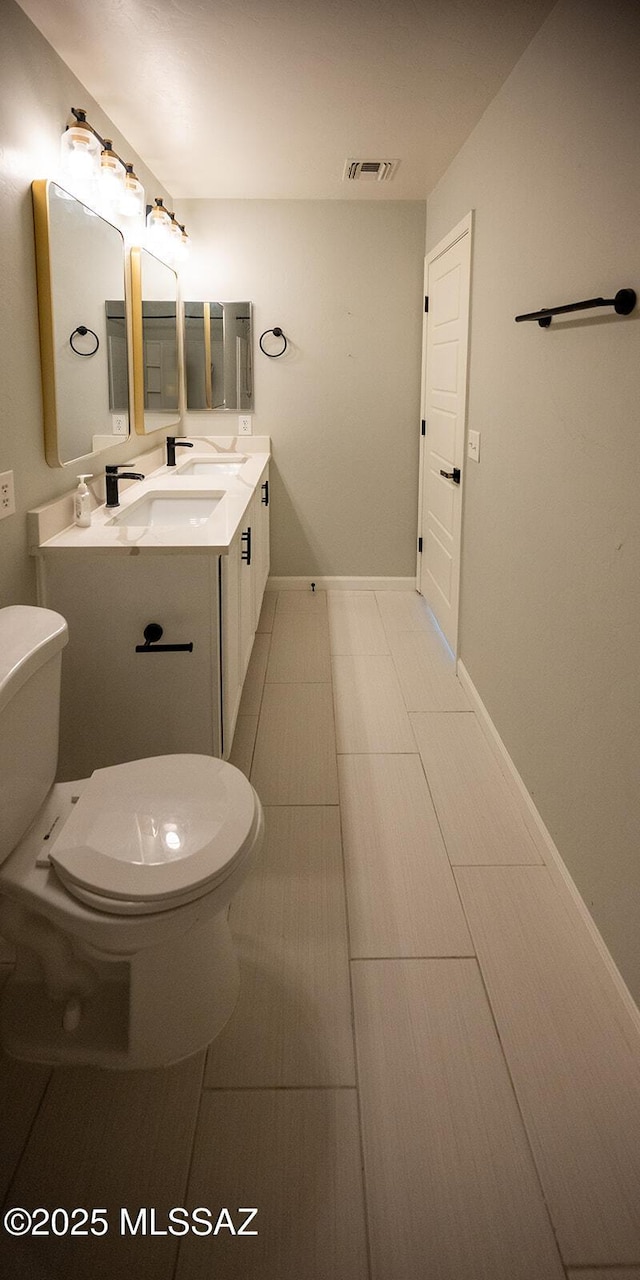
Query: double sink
163,509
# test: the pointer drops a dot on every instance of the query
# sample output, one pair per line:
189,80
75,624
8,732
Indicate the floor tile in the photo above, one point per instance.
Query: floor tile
481,820
403,899
292,1024
294,759
370,712
300,646
426,672
267,612
404,611
114,1140
244,738
573,1053
7,953
355,625
254,679
608,1273
293,1154
293,603
451,1188
22,1088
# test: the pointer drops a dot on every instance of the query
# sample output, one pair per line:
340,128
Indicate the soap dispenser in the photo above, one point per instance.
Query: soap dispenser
82,503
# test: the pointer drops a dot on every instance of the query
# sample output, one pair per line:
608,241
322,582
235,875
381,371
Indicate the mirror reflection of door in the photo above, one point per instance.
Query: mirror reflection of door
154,288
218,356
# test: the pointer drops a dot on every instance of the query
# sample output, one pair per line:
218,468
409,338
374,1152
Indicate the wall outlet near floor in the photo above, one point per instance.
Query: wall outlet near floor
473,446
244,425
7,495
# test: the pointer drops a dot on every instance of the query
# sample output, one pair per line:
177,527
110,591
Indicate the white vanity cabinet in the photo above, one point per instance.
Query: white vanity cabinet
125,698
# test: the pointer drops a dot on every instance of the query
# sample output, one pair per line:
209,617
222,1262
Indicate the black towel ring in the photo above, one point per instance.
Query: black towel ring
277,333
83,330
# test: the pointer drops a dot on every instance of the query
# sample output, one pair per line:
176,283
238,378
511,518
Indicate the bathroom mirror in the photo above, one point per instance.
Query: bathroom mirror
218,356
83,334
154,317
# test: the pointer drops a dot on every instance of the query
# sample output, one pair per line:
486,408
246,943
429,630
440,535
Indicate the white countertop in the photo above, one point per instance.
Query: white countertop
214,536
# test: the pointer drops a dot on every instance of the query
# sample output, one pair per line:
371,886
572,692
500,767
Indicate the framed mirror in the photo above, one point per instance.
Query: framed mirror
218,356
80,266
154,319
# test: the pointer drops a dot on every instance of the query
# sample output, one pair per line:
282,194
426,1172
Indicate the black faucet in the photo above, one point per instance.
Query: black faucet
173,443
112,474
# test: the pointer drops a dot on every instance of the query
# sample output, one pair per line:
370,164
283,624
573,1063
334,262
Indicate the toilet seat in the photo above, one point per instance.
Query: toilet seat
153,834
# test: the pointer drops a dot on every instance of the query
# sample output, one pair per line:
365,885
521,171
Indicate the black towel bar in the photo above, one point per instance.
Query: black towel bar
152,633
623,304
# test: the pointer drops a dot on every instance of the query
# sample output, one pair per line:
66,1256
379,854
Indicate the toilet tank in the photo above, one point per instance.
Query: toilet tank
31,644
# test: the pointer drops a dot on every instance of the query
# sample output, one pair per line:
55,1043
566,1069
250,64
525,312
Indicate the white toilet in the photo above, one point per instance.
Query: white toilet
113,890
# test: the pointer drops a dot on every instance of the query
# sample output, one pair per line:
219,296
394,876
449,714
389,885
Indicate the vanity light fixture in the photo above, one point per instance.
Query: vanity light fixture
100,178
166,237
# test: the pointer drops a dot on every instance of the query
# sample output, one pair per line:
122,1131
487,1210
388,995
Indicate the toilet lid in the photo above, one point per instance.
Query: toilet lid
154,830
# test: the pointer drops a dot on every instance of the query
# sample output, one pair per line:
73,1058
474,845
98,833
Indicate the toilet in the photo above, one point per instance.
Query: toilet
114,890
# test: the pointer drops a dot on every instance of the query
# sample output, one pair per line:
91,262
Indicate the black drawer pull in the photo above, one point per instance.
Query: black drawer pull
265,493
152,633
246,538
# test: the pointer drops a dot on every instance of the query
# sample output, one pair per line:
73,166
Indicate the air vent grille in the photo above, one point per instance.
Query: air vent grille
369,170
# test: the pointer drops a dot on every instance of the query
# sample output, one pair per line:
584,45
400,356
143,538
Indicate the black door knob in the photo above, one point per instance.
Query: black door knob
452,475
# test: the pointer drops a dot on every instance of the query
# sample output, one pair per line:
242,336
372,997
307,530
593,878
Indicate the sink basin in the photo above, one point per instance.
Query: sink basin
208,466
169,509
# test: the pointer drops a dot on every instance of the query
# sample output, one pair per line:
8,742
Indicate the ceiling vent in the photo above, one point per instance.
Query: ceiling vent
369,170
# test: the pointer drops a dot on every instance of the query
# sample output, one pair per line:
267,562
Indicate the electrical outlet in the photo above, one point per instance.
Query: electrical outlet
244,425
119,424
473,446
7,495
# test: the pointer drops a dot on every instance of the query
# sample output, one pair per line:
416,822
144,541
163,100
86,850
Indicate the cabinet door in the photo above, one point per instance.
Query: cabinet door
118,704
247,577
231,565
261,557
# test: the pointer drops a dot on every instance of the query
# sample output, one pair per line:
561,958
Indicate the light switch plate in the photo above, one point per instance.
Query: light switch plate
473,446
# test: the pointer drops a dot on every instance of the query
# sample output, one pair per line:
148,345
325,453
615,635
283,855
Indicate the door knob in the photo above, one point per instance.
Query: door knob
452,475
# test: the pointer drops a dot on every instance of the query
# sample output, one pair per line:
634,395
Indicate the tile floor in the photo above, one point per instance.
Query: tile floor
429,1074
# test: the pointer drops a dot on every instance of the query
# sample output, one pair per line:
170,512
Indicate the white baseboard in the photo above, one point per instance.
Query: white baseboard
341,584
543,839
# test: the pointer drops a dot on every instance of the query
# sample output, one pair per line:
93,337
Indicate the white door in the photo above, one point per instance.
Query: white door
444,397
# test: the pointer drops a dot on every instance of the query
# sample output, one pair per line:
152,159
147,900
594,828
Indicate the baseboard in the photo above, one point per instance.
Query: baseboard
341,584
548,849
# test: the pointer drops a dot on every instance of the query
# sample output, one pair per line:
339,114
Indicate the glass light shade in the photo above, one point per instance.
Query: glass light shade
132,195
180,246
159,238
111,182
80,160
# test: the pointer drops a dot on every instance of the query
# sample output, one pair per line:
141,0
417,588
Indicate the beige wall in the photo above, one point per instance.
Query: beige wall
37,91
344,282
550,616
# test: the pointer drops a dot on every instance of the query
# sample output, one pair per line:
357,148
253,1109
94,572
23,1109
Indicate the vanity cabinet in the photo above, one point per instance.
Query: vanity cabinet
119,703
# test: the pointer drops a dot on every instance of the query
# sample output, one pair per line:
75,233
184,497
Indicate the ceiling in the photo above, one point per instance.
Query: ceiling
268,98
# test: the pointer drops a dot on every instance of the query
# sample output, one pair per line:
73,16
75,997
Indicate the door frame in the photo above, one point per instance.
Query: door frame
462,228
